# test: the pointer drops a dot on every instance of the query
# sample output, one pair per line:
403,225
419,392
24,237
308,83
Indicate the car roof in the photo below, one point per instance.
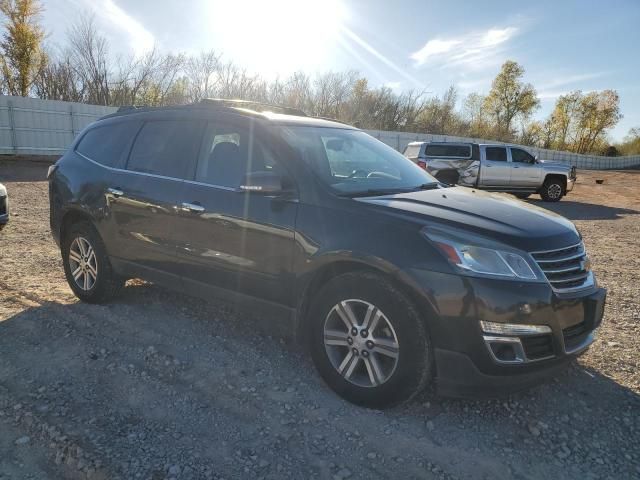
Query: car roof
290,117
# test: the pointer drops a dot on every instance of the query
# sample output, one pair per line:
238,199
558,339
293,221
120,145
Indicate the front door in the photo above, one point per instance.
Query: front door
143,197
495,170
232,241
525,173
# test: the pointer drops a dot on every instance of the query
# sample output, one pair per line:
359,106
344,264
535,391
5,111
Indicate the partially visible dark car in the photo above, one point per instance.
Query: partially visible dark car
4,206
393,279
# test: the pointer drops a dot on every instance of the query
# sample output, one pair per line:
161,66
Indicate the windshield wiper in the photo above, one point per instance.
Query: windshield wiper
376,192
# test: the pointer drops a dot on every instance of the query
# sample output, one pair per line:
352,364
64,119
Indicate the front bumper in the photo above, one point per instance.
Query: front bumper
570,183
466,365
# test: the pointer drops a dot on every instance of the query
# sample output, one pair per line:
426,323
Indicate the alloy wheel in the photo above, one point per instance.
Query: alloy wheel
554,191
83,263
361,343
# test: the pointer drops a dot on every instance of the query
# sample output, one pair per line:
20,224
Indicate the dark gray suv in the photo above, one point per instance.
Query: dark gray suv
394,280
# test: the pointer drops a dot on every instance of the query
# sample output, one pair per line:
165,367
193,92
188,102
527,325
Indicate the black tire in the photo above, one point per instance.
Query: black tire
552,190
413,367
106,284
522,196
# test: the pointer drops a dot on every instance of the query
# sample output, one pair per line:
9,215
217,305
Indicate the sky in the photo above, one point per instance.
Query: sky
403,44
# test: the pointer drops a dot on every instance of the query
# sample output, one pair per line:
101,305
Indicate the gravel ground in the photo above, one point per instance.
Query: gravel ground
157,385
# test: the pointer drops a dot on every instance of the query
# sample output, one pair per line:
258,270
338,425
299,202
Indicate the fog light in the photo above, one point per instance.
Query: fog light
495,328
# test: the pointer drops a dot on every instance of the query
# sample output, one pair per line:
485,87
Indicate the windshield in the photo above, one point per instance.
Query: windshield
352,162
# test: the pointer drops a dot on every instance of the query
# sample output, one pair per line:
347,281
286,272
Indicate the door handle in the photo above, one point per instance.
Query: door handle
116,192
191,207
515,166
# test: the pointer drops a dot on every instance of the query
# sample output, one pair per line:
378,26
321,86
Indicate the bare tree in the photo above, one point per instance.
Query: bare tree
58,80
89,58
201,75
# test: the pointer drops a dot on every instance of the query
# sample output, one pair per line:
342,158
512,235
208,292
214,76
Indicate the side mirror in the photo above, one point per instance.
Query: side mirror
265,183
535,159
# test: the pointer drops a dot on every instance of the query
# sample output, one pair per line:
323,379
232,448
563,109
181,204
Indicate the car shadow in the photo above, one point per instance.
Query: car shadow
583,211
143,359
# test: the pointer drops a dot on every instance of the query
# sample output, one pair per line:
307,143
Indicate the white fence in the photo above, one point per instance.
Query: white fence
30,126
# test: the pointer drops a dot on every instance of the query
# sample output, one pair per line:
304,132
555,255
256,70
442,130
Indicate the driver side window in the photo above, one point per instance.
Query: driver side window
522,156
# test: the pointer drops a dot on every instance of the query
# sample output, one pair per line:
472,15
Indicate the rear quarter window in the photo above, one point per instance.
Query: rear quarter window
108,145
458,151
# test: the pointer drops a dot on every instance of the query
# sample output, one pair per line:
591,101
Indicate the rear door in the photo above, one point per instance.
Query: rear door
143,197
495,169
232,241
524,170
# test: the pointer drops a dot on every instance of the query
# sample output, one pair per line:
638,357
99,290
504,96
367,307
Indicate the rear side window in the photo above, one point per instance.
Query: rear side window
109,144
459,151
496,154
166,147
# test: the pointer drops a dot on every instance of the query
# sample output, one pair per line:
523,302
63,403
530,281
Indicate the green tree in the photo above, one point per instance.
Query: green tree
631,143
510,98
21,54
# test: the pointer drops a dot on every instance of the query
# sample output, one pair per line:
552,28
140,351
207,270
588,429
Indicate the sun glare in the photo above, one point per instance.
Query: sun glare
277,36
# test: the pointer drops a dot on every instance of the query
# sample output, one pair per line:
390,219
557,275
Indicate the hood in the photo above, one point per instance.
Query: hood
496,216
554,164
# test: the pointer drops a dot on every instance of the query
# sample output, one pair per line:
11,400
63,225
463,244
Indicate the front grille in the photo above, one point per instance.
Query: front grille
537,346
565,268
575,335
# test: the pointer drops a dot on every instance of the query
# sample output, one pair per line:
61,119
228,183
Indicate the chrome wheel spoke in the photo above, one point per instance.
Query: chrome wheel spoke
348,365
75,256
372,318
389,348
86,281
77,273
346,314
335,338
373,369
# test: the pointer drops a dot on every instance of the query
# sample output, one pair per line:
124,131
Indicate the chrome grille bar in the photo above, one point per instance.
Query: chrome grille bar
566,268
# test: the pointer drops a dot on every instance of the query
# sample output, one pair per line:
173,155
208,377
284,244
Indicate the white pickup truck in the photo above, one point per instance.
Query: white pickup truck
494,167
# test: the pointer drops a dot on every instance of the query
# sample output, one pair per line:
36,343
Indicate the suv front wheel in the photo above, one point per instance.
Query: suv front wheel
87,266
368,341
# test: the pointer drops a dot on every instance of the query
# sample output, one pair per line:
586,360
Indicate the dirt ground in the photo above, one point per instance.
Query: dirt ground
156,385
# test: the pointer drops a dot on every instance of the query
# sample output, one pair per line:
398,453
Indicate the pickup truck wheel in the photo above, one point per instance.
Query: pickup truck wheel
552,190
368,341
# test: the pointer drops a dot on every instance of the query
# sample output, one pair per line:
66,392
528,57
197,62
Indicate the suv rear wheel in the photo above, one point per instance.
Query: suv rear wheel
552,189
87,266
368,341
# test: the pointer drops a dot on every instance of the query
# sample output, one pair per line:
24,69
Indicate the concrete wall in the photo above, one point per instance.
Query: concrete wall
30,126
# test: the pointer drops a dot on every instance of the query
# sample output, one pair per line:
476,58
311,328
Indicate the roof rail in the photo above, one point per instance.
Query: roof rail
127,108
223,102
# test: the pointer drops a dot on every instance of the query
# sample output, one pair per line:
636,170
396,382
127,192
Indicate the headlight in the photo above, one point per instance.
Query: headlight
3,191
475,255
